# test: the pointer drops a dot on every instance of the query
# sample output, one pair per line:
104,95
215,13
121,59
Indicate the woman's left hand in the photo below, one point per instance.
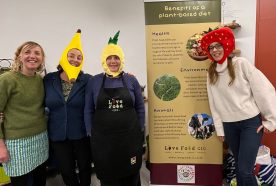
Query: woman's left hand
262,127
221,138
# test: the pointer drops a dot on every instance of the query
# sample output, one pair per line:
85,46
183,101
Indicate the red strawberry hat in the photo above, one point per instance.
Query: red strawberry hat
222,35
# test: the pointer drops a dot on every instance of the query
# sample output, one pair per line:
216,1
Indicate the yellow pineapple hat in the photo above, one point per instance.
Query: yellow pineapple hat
72,71
113,49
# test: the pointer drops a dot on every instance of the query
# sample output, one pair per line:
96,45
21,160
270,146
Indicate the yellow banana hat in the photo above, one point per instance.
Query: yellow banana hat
72,71
113,49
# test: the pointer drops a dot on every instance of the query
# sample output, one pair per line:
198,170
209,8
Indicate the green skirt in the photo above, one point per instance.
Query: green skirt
26,154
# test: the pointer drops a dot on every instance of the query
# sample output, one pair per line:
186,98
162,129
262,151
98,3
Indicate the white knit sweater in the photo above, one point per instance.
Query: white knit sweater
250,94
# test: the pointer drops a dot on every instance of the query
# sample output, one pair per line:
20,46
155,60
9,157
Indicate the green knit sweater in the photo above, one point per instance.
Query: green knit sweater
22,101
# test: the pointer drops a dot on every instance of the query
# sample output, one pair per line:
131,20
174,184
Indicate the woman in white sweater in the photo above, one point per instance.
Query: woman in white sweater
242,102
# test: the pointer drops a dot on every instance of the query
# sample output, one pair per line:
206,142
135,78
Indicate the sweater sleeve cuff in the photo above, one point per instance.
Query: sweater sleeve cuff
219,130
269,125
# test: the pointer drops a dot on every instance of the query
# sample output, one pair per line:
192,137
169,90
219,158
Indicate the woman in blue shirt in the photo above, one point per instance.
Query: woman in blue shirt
114,110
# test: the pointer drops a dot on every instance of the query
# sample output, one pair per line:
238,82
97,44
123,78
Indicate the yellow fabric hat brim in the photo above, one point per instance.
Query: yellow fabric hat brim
110,50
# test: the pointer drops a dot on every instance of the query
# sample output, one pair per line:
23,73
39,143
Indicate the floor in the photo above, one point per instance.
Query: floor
145,178
57,180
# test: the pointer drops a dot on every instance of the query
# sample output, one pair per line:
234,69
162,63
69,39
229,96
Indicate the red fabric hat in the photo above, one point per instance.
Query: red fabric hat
222,35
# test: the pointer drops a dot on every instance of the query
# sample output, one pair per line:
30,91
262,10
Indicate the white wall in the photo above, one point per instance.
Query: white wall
52,23
244,12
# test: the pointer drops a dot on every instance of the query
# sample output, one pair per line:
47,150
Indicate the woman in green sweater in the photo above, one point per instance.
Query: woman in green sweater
23,135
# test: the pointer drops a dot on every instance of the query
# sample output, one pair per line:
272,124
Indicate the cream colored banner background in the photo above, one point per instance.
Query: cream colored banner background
170,141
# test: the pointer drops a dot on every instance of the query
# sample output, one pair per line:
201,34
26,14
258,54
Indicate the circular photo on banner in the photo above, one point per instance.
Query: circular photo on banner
194,49
201,126
166,87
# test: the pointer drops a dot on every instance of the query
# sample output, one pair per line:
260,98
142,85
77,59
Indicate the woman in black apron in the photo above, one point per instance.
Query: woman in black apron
115,109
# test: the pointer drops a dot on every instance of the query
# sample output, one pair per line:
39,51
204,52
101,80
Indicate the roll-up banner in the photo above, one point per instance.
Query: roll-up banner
184,149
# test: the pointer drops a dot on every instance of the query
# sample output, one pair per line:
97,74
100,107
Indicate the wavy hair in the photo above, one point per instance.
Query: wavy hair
213,74
17,64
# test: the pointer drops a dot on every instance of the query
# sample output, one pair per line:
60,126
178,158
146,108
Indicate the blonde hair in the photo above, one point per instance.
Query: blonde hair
213,74
17,64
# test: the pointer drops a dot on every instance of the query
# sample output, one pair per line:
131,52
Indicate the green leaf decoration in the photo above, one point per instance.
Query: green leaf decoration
114,40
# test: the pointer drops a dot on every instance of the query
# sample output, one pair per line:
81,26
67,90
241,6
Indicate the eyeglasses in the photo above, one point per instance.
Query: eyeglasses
217,46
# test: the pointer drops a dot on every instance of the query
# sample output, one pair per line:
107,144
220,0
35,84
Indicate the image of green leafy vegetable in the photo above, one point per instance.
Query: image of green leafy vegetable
166,87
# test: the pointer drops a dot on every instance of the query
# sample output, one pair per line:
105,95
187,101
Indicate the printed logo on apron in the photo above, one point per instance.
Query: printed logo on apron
115,105
133,160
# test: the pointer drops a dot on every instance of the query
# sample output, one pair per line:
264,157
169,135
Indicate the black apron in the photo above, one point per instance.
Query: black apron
116,134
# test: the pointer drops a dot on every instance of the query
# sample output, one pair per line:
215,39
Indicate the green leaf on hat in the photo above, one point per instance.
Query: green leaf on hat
114,40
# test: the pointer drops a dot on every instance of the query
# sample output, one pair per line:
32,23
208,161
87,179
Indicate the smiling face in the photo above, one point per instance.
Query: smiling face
31,58
74,57
113,62
216,51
